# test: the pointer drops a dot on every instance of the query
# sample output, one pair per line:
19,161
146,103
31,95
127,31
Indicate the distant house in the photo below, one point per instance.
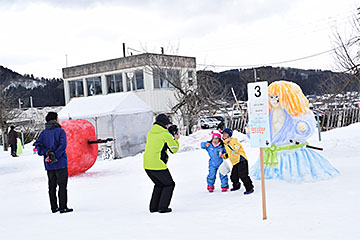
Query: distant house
133,73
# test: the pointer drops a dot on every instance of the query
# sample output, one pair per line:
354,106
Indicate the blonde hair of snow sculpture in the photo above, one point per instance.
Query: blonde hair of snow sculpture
291,97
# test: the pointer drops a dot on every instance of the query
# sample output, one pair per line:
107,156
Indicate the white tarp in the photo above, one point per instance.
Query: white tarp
121,116
103,105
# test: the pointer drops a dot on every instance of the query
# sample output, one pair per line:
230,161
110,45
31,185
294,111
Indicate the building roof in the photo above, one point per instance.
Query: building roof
146,59
103,105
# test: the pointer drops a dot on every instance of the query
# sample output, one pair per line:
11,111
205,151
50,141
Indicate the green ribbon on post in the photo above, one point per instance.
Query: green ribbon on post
270,157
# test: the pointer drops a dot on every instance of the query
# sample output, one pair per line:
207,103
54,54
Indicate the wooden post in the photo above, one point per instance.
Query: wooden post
323,122
263,183
333,120
328,121
318,124
338,120
242,115
242,126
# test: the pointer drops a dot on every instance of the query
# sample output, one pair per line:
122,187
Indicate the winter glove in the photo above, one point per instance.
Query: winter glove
51,158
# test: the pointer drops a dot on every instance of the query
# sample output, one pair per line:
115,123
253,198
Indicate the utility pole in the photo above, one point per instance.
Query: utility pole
66,60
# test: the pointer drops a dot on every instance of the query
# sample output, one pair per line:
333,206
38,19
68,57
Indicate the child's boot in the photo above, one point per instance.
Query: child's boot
224,189
210,188
236,186
249,192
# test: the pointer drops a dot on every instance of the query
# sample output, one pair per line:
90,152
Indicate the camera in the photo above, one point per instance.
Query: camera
173,130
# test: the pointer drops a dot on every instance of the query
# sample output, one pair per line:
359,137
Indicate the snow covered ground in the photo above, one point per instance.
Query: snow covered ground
111,199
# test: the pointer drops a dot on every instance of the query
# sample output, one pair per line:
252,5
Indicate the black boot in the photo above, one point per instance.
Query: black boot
55,210
167,210
236,186
66,210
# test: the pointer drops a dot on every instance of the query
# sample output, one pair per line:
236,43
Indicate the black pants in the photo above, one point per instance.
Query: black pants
13,149
241,171
163,189
59,178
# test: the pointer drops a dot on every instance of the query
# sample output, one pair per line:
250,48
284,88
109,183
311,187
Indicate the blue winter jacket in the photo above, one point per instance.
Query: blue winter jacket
53,138
215,159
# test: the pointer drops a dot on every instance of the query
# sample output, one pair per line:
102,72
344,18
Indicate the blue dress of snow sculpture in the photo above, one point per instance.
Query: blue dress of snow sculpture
291,124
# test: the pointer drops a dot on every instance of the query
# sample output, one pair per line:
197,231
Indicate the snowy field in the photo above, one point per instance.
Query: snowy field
111,200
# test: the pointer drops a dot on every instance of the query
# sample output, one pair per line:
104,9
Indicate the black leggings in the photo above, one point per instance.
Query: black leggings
163,189
59,178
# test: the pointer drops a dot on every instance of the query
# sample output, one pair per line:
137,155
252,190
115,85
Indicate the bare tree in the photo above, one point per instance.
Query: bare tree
347,57
195,93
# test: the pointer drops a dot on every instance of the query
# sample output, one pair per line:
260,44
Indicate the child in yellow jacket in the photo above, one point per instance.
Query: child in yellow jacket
237,156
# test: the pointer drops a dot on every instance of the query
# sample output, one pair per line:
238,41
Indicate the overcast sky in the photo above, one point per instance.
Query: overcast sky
36,35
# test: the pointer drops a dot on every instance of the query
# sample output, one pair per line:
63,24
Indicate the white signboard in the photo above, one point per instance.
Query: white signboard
258,105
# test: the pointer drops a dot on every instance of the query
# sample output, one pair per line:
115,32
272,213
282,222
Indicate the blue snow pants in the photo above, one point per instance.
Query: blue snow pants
214,163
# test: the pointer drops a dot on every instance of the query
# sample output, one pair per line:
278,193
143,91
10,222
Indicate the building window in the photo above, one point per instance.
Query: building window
165,77
191,78
139,80
114,83
94,86
135,80
76,88
129,79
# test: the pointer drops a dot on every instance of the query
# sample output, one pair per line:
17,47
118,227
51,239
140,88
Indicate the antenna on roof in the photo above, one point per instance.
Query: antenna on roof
124,50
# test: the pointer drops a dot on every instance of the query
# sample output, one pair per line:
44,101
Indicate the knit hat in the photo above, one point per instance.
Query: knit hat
228,131
215,134
162,119
51,116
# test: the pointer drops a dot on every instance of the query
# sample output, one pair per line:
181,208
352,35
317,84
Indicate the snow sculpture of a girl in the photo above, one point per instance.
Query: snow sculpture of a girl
291,124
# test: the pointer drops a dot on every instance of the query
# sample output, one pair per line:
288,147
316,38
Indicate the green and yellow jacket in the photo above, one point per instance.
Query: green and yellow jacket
159,140
234,151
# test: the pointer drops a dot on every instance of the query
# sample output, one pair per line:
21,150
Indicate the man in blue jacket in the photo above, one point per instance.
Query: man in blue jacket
52,145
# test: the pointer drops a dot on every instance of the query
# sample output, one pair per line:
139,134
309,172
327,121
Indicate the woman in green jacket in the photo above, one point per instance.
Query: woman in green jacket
159,141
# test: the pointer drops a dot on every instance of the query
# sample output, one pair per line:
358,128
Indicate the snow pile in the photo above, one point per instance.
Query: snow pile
192,142
111,200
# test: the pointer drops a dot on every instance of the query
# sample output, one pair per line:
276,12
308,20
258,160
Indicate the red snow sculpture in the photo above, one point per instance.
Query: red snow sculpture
81,154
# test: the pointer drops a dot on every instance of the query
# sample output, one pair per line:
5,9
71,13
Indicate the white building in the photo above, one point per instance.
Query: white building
144,74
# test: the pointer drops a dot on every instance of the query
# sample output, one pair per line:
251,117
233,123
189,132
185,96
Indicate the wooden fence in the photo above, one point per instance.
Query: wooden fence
328,120
339,118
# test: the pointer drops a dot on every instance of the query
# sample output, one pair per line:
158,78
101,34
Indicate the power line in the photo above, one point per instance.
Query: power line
267,64
317,26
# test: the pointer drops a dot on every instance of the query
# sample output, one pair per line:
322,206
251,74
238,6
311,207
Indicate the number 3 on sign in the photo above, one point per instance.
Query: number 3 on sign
257,91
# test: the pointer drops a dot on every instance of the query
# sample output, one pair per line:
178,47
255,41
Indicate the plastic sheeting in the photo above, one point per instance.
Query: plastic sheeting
121,116
103,105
